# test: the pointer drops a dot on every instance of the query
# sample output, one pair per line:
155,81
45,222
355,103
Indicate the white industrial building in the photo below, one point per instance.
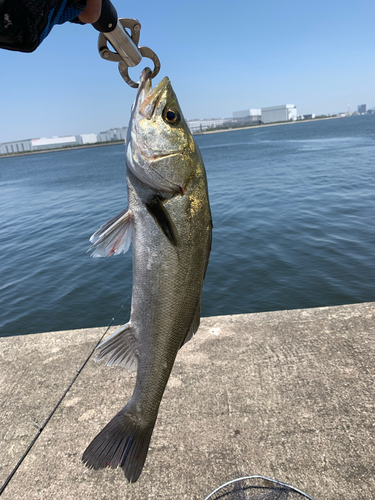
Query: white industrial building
247,117
307,117
199,125
15,147
44,143
53,142
282,113
114,134
87,138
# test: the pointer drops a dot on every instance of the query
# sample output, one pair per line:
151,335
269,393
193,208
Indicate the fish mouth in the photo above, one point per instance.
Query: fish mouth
149,98
145,83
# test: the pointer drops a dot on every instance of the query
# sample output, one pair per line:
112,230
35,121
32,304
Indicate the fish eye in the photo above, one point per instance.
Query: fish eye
171,116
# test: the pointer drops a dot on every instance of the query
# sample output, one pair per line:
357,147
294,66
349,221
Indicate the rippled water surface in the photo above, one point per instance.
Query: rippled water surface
293,209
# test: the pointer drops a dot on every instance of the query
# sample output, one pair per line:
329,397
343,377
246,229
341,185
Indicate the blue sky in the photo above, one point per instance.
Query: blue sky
221,56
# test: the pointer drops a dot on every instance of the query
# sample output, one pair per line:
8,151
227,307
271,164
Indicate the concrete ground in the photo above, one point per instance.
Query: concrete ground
289,395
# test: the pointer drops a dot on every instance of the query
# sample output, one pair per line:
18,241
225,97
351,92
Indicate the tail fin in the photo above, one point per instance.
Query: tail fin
122,443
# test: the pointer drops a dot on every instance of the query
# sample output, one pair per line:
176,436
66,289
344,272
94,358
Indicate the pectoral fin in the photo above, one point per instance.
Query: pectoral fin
161,216
114,236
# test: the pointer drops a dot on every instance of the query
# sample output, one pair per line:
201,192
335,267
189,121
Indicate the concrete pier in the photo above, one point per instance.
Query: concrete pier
289,395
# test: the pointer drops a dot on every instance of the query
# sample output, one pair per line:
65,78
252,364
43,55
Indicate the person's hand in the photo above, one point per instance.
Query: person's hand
91,12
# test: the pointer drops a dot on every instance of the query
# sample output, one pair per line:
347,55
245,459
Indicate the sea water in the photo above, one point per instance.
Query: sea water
294,226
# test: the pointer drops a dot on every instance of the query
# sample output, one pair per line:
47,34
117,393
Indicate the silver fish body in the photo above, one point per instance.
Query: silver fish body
169,222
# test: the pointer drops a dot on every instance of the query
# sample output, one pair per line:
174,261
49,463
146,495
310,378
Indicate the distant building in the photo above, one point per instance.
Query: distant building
282,113
87,138
15,147
307,117
46,143
362,108
114,134
200,125
247,117
53,142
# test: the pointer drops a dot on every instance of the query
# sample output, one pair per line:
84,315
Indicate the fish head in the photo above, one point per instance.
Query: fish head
160,147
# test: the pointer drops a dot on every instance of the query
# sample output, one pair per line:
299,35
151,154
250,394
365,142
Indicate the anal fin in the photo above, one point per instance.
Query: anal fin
120,347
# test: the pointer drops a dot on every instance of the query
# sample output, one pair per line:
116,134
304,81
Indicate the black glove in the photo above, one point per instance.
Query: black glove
25,23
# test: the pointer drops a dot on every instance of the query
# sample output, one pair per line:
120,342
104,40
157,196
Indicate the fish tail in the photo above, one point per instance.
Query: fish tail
122,443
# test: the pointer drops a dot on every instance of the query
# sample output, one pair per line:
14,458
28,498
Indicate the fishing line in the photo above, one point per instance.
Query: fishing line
42,427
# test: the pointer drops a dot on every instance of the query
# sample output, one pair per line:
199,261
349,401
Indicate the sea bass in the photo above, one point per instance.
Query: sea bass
168,220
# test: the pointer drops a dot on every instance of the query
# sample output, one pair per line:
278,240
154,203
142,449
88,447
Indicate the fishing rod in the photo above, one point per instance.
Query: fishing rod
42,427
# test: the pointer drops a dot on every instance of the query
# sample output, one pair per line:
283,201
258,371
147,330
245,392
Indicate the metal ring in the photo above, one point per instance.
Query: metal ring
146,52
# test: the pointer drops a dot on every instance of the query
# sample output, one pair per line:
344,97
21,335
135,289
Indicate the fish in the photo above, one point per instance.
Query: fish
169,224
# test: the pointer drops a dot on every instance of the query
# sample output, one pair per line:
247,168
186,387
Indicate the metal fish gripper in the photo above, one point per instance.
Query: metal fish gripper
126,52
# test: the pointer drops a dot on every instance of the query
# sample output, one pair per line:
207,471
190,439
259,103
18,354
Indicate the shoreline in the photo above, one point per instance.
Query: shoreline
265,125
67,148
116,143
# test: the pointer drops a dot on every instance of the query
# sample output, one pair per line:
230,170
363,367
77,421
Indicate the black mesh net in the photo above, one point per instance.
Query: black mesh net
256,488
